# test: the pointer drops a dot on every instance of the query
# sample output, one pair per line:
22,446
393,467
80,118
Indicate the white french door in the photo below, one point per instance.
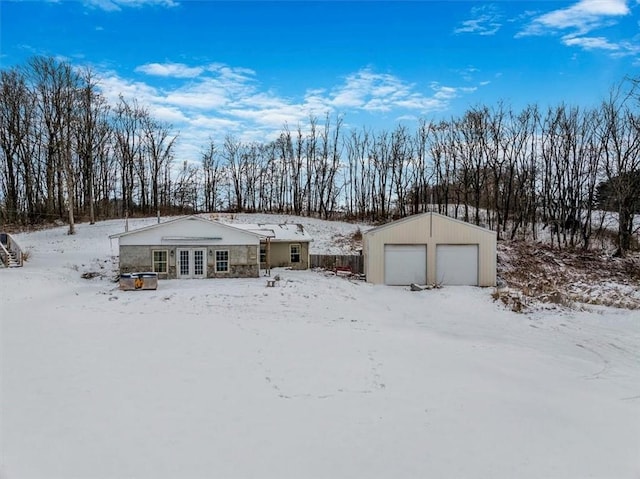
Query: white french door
192,263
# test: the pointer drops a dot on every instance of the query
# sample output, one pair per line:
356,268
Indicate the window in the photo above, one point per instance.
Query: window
295,253
222,261
184,262
198,262
160,261
263,253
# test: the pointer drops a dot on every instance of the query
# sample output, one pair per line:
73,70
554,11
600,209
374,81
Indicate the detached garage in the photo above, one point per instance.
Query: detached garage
430,249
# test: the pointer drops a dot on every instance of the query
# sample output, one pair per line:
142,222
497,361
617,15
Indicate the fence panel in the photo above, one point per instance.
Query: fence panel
331,261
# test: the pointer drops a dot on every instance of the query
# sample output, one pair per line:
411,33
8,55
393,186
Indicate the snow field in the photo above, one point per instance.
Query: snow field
318,377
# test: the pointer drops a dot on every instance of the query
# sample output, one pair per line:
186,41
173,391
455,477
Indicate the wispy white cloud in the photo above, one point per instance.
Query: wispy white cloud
407,118
582,17
316,101
443,92
270,119
579,20
590,43
198,98
378,92
177,70
118,5
169,114
233,74
213,124
486,20
212,86
224,100
467,73
112,86
627,49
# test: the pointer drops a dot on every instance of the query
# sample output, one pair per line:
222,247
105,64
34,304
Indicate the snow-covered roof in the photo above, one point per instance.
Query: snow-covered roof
180,220
285,232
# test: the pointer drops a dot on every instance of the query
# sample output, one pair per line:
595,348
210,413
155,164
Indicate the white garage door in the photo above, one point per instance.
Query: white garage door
457,264
405,264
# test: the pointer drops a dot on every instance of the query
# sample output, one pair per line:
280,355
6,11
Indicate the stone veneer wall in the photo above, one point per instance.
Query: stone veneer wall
243,260
136,259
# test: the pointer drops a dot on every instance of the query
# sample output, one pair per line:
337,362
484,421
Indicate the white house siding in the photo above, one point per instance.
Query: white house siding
192,230
430,229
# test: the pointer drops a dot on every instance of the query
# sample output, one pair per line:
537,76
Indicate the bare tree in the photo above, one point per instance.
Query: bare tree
311,151
17,109
128,143
158,146
621,138
212,177
91,135
57,86
231,153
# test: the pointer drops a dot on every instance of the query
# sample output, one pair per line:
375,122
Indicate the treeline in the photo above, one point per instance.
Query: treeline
66,153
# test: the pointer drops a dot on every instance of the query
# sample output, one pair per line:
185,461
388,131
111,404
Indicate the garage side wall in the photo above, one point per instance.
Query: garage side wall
430,229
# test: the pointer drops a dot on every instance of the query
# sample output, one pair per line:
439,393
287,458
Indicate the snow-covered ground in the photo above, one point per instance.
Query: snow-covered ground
329,237
319,377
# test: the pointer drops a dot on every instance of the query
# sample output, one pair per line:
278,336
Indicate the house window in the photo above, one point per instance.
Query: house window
222,261
263,253
160,261
198,262
295,253
184,262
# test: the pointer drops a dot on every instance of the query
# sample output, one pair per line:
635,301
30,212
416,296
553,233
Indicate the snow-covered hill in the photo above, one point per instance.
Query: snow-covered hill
317,377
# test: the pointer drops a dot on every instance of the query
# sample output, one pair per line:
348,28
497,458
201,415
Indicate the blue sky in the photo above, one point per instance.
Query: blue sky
245,68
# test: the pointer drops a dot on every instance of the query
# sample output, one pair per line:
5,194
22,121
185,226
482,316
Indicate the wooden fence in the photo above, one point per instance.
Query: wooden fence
331,261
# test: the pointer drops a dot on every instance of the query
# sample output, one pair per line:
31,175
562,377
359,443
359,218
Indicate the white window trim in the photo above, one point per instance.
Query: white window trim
166,262
299,253
215,259
203,265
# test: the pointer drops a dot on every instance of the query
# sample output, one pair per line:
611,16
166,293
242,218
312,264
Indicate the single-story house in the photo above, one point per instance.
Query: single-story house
282,245
196,247
430,248
190,247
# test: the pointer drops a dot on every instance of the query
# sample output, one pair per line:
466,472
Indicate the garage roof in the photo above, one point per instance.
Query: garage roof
423,215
